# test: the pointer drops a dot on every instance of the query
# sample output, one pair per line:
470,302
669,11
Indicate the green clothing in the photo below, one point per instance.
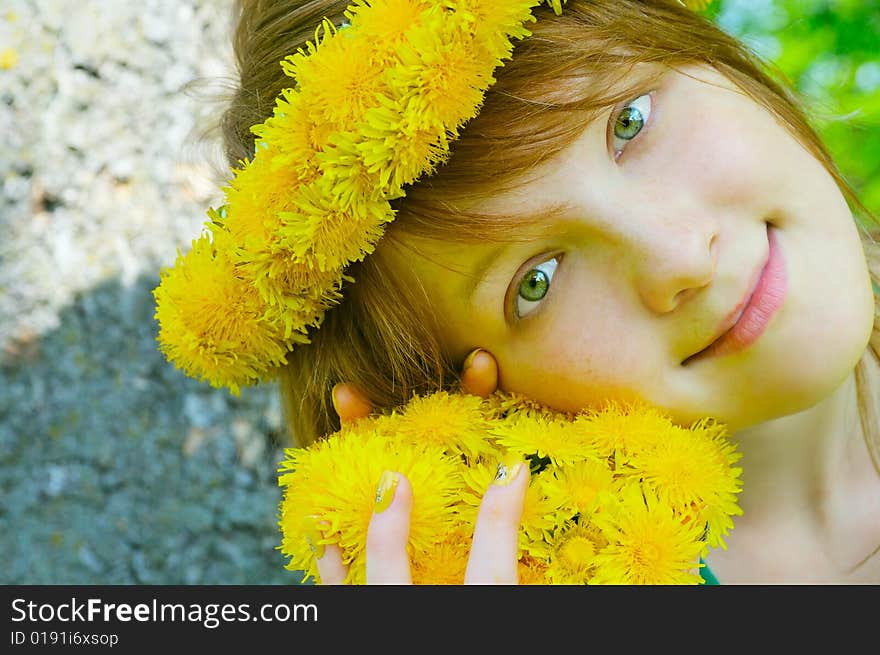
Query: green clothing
707,575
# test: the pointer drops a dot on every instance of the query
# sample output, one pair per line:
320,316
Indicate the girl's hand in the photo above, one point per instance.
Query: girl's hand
493,556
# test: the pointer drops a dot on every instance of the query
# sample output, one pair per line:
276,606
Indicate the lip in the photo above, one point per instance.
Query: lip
749,319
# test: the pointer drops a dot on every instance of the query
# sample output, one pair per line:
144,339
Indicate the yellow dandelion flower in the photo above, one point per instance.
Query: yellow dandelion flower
244,219
400,145
531,571
720,506
580,486
445,563
557,439
494,24
335,479
386,22
504,404
444,78
648,542
687,467
619,429
573,549
476,478
295,296
452,422
538,516
717,517
297,290
212,324
294,137
384,425
325,236
341,76
254,197
298,546
347,177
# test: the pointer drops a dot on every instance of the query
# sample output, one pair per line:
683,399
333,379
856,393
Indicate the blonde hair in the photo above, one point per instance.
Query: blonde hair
383,336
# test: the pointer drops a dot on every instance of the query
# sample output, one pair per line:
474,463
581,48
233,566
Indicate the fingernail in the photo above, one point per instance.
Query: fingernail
469,360
508,469
385,491
314,536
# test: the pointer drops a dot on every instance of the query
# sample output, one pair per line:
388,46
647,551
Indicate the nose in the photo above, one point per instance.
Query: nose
675,261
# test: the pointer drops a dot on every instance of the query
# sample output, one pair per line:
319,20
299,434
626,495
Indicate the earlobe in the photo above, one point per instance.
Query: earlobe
479,375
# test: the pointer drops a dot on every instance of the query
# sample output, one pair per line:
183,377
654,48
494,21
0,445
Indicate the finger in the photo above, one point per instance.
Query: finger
388,533
331,570
493,558
479,374
330,566
350,404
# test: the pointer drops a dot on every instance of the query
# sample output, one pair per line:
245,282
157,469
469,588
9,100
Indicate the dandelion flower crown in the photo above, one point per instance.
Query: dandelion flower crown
374,107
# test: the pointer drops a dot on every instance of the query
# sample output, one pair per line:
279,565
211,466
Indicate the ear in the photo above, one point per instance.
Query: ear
479,374
350,403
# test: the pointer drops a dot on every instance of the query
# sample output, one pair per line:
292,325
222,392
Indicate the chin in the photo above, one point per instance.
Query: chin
804,380
780,379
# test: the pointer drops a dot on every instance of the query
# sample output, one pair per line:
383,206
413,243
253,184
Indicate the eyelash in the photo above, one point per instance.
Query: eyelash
617,113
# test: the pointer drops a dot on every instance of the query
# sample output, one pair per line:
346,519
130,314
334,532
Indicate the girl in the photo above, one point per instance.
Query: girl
638,211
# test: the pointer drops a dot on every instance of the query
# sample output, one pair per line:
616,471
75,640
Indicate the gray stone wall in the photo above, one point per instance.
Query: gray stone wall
114,467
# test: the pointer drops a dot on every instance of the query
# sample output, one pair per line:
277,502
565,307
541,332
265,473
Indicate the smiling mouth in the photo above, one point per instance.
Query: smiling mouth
729,324
750,318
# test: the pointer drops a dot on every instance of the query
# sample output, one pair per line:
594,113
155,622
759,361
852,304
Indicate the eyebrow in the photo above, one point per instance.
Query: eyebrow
481,270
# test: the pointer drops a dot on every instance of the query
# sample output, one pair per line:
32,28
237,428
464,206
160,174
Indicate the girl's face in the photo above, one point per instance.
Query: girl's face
682,216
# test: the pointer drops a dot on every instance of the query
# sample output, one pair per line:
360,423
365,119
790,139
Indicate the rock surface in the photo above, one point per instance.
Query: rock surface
115,468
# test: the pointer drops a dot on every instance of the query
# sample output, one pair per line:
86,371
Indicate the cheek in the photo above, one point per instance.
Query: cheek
580,361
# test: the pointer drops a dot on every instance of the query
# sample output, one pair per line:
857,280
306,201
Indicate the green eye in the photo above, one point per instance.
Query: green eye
534,285
629,123
631,120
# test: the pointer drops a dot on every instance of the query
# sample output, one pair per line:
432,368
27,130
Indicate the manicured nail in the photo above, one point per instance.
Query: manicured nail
385,491
469,360
508,469
314,536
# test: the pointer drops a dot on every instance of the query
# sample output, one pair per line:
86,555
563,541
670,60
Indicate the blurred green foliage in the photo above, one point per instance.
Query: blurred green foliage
829,52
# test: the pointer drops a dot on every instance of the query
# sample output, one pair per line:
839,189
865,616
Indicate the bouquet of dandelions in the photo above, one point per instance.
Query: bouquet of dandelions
620,495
